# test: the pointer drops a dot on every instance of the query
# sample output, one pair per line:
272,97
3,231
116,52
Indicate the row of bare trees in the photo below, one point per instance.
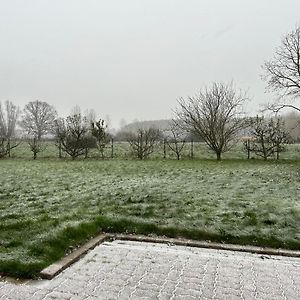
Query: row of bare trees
215,115
74,135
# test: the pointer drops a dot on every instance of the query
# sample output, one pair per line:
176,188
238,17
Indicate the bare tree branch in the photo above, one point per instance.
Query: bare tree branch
37,120
267,137
175,138
73,135
142,141
277,107
8,119
282,72
215,114
99,132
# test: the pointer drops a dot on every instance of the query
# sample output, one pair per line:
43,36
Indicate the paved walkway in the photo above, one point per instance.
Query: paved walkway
136,270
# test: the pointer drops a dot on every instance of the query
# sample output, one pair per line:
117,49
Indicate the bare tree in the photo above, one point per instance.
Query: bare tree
37,120
142,141
35,146
175,138
215,115
59,131
282,72
268,137
73,135
8,119
99,132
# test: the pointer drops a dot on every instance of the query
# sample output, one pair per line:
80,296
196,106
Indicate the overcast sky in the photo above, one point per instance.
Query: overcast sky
133,59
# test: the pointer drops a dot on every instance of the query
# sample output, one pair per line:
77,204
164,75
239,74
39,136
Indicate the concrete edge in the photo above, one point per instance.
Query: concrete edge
204,244
57,267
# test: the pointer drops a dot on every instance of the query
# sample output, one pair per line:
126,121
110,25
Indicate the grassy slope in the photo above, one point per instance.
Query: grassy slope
48,205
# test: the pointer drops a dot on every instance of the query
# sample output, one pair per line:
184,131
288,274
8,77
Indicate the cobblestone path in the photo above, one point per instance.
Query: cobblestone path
137,270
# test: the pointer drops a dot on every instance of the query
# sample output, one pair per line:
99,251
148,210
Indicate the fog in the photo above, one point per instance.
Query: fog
133,59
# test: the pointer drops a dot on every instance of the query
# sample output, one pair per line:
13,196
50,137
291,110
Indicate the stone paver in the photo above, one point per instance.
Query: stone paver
138,270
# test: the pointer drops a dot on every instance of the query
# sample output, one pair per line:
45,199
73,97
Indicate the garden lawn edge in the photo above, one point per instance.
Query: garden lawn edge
57,267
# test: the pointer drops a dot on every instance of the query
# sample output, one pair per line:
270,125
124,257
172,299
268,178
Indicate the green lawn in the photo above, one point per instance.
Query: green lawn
47,206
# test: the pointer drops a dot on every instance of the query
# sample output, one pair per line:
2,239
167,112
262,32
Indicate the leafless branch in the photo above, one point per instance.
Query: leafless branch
282,72
215,114
142,141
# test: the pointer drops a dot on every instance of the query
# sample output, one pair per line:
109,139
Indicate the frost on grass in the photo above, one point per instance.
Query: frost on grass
39,200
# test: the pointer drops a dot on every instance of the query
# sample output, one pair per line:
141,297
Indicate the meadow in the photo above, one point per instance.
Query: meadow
49,206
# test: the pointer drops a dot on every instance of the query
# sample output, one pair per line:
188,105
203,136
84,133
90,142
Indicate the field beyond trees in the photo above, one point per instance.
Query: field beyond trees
49,206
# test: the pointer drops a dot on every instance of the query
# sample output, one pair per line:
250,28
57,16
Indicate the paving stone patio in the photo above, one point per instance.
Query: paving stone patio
139,270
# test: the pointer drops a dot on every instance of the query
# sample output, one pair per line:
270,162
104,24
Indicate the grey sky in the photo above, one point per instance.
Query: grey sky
132,59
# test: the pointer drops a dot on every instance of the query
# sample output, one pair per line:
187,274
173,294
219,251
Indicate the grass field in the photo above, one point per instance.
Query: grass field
121,150
49,206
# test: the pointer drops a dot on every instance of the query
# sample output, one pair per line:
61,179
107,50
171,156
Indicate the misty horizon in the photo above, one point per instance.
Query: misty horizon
133,61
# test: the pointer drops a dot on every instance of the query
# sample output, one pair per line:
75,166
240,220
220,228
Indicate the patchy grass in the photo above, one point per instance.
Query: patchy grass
49,206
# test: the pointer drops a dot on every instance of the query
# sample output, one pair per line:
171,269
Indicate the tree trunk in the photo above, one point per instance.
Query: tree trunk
218,156
59,150
265,154
35,147
112,148
8,147
248,149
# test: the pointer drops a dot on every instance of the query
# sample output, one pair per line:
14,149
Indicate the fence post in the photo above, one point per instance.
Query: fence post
248,148
112,148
